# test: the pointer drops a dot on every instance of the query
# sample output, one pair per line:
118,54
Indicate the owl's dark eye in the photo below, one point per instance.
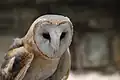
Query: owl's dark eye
62,35
46,36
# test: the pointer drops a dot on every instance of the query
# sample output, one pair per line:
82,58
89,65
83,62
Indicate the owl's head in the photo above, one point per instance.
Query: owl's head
52,34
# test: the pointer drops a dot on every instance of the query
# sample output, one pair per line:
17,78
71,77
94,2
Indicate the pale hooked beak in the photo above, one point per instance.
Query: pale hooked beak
55,41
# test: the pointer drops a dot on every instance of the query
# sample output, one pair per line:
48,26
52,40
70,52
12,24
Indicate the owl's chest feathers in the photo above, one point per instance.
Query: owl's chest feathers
41,69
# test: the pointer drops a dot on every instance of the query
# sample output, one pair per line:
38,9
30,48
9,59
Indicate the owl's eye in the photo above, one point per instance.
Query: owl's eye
46,36
62,35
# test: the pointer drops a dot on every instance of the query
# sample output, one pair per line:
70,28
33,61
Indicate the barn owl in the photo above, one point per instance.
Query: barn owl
43,53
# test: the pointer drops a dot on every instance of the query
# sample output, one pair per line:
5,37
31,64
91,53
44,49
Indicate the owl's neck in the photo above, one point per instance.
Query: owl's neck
41,69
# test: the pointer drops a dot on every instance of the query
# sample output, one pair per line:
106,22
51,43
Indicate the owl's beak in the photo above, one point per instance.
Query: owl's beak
55,45
55,42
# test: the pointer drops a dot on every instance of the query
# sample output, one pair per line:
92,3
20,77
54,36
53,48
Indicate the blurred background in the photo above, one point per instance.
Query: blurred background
95,48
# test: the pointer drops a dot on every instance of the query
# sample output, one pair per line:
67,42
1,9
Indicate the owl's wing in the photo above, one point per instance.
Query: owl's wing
63,68
17,42
16,63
